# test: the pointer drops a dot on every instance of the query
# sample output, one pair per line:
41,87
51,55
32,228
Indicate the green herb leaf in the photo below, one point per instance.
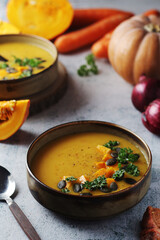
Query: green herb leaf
3,65
90,59
133,157
83,71
32,62
26,73
119,165
70,179
126,154
97,183
17,60
111,144
65,190
132,169
118,175
89,67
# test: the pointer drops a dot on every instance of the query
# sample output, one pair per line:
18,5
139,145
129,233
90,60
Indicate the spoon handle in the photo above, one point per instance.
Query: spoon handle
22,220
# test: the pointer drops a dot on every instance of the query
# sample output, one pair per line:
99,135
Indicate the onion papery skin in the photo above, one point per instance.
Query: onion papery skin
151,117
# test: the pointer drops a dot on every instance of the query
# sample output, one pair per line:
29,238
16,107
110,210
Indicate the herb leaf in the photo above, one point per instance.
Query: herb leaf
65,190
132,169
32,62
3,65
126,154
133,157
118,175
89,67
111,144
26,73
97,183
70,179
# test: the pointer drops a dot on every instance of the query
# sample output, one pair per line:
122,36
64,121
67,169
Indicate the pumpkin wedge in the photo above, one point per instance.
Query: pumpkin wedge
46,18
12,115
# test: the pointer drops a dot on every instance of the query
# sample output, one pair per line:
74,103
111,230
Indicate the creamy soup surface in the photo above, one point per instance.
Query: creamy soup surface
76,155
31,60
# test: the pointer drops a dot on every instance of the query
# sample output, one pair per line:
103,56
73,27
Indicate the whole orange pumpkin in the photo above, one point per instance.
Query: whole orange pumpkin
134,48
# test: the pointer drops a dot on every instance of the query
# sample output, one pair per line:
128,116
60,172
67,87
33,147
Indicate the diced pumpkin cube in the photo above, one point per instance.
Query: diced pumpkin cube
100,165
100,172
82,179
109,172
106,157
103,150
109,181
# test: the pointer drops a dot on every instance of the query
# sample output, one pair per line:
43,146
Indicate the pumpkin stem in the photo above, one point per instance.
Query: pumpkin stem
152,27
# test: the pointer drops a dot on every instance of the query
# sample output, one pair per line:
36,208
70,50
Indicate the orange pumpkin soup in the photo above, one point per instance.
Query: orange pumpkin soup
89,164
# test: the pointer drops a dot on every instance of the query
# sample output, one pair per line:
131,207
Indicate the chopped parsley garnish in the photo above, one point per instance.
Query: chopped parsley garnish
132,169
97,183
133,157
118,175
65,190
89,67
111,144
3,65
32,62
70,179
125,155
26,73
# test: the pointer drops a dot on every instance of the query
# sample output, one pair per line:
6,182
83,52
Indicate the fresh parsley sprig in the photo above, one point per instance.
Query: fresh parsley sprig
70,179
97,183
132,169
89,67
65,190
32,62
3,65
111,144
118,175
126,155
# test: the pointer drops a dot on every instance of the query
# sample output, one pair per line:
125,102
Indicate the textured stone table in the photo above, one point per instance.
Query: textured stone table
103,97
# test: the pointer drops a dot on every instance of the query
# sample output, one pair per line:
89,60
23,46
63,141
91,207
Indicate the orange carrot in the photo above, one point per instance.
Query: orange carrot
85,17
75,40
100,48
152,12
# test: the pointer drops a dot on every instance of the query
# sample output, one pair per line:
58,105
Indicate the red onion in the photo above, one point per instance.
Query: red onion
144,92
151,117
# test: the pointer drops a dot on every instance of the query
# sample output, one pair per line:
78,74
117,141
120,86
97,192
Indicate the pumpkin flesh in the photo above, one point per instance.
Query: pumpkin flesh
46,18
15,118
134,51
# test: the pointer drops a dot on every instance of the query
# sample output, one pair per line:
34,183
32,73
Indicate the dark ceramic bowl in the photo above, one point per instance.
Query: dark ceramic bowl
83,207
28,86
43,88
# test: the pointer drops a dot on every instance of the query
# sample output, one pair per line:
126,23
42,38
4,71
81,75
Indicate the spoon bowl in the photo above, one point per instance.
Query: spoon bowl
7,184
7,188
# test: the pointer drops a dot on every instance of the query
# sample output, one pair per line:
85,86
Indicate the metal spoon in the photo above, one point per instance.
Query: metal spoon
7,188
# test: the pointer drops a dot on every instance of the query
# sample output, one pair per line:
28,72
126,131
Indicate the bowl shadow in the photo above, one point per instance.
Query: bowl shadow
21,137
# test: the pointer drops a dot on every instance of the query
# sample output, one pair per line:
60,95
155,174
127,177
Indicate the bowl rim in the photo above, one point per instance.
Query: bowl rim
34,37
108,195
